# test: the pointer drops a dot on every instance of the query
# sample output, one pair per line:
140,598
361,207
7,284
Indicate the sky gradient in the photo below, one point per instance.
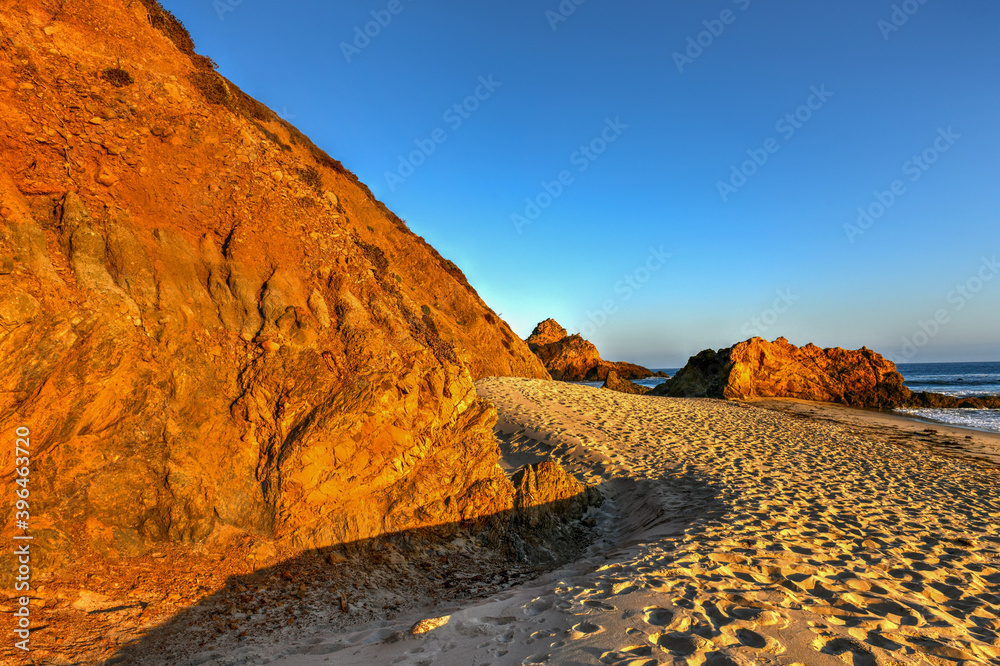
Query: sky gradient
666,177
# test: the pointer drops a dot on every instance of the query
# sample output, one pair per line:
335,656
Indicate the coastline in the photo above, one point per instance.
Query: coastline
972,441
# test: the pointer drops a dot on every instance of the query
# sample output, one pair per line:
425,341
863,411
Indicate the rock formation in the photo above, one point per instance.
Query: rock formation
570,358
757,368
542,484
209,325
616,383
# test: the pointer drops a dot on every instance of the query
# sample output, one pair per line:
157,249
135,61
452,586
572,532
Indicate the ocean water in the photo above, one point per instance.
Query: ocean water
651,381
957,379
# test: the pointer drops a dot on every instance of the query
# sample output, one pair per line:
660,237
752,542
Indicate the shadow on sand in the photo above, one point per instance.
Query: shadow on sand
365,590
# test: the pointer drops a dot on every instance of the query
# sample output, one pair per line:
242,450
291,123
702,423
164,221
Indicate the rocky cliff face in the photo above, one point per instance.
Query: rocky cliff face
570,358
758,368
207,323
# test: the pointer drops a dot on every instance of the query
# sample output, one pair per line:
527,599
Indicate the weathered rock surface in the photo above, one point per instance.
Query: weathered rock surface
758,368
545,486
230,334
570,358
616,383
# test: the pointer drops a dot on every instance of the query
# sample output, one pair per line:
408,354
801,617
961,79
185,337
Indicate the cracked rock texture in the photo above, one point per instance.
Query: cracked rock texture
230,334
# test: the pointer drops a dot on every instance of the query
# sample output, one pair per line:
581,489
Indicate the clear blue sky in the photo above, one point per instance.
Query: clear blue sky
885,96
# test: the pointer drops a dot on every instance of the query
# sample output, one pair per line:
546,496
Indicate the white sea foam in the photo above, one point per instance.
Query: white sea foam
982,419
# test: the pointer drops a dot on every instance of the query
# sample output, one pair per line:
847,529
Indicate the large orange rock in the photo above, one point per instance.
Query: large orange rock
231,333
570,358
757,368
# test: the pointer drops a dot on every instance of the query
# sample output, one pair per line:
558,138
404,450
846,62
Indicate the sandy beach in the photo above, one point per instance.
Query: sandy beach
732,534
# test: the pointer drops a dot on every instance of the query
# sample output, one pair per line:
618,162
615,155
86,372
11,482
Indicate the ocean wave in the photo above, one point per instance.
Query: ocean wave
980,419
958,381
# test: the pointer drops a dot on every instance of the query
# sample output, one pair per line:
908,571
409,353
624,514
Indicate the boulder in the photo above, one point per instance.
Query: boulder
547,494
570,358
616,383
757,368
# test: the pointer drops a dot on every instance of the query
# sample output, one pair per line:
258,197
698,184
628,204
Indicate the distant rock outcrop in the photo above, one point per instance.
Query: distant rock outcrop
616,383
570,358
757,368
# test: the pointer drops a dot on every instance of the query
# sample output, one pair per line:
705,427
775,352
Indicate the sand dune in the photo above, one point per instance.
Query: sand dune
733,534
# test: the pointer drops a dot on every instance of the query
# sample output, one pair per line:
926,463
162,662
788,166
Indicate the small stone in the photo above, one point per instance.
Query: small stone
17,307
270,345
331,197
90,601
335,558
107,178
95,121
277,175
430,624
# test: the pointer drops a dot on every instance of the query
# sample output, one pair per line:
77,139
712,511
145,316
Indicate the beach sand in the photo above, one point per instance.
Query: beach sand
733,533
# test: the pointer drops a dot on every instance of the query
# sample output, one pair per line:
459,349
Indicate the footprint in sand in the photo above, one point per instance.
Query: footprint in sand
857,653
599,605
751,638
658,617
719,659
629,655
585,629
540,658
537,606
622,658
677,644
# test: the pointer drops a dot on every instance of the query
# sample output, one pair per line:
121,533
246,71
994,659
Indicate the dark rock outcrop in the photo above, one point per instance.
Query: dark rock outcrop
570,358
758,368
616,383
